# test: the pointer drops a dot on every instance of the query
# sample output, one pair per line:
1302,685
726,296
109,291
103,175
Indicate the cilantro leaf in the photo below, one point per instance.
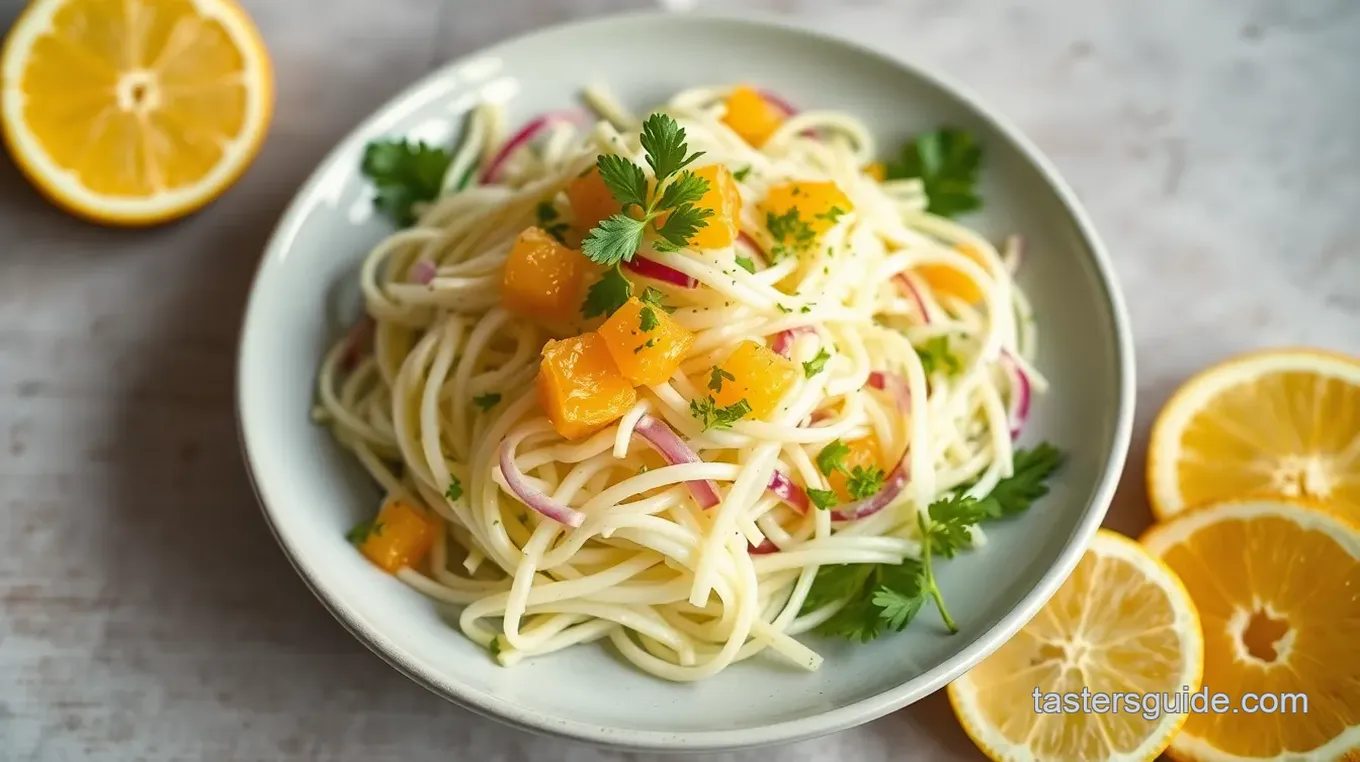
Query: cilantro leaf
616,238
1017,493
455,489
716,376
741,174
864,482
624,179
647,320
549,220
747,264
681,225
950,519
832,457
824,499
607,294
947,161
899,596
664,142
815,365
363,530
713,416
937,357
487,401
653,297
404,174
688,188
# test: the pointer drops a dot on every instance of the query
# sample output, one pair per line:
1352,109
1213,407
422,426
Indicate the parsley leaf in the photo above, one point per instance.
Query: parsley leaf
716,376
900,596
647,320
936,356
653,297
747,264
1026,484
664,141
549,220
817,364
947,161
950,518
712,416
624,179
617,238
455,489
363,530
487,401
607,294
404,174
864,482
824,499
832,457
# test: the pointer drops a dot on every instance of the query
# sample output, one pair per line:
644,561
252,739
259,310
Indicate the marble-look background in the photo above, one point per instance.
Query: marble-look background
145,611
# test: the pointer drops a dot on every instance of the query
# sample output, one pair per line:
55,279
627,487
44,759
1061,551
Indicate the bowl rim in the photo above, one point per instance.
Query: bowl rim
786,731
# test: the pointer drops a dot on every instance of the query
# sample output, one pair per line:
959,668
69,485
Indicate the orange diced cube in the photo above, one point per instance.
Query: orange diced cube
866,453
758,376
580,387
543,278
947,280
646,357
591,200
798,214
724,199
751,116
400,536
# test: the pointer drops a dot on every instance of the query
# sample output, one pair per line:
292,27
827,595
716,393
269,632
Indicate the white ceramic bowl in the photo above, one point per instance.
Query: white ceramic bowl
312,492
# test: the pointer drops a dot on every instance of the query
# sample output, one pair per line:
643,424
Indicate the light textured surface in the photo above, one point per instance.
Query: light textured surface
146,613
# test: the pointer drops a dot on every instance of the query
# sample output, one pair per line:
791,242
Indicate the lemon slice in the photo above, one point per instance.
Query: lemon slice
1283,422
1277,585
1121,623
134,111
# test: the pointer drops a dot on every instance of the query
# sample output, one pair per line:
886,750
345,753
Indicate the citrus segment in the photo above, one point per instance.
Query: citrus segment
1121,622
1277,584
1283,423
134,111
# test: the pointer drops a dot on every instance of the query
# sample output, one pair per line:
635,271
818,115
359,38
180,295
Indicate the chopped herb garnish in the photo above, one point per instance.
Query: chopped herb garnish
831,215
653,297
716,376
864,482
824,499
741,174
550,221
647,320
455,489
936,356
790,232
747,264
713,416
947,161
363,530
815,365
832,457
404,173
487,401
618,237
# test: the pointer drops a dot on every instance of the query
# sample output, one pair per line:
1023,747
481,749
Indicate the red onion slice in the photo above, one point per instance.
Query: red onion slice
358,338
783,341
786,490
519,139
778,102
765,546
670,446
750,242
1017,409
657,271
910,289
514,478
867,507
892,384
422,271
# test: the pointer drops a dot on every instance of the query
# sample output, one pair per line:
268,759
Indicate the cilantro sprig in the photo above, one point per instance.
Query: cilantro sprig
881,597
860,482
677,190
404,173
947,161
607,294
936,356
714,416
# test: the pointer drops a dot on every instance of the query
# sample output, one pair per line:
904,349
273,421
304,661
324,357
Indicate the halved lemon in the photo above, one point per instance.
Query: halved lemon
1280,422
1122,623
1277,585
134,111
